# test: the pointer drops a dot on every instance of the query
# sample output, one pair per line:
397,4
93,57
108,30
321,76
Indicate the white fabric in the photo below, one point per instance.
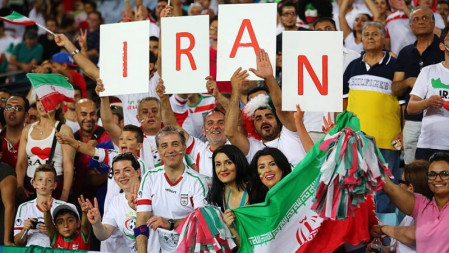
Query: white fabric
410,134
34,146
131,101
5,43
149,153
398,28
434,132
402,248
30,210
38,18
288,142
171,201
350,43
73,125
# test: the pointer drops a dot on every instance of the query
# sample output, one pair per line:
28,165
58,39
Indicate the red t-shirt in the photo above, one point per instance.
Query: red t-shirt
10,151
77,243
78,79
222,86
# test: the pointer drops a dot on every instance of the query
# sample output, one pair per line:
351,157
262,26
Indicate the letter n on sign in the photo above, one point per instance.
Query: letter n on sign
312,71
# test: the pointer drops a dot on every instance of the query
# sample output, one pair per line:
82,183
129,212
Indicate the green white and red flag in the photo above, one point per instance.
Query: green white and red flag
18,19
51,89
286,222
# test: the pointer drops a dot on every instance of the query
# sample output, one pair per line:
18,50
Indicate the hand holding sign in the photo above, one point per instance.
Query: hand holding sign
264,68
237,79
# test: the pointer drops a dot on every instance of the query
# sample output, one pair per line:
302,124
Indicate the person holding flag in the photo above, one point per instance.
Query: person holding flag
38,142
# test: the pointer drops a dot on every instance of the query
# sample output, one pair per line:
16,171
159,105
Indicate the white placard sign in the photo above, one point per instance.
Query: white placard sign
124,58
244,29
312,71
185,54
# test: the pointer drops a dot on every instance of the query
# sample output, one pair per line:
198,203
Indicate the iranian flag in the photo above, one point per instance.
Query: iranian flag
285,222
18,19
51,89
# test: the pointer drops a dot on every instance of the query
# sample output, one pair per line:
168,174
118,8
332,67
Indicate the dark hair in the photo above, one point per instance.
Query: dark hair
5,91
444,34
323,19
154,38
152,58
94,4
33,105
66,21
323,7
64,211
416,174
257,191
98,14
25,100
128,156
287,4
45,168
216,194
147,99
439,156
136,130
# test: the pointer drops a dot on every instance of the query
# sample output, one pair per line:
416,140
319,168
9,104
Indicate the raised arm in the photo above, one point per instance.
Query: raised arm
48,220
306,141
212,88
83,62
83,148
107,118
237,138
22,165
404,200
67,163
264,70
344,26
373,9
85,225
101,231
417,105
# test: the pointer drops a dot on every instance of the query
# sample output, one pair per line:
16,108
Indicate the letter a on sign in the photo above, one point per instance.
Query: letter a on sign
246,25
321,86
186,51
312,71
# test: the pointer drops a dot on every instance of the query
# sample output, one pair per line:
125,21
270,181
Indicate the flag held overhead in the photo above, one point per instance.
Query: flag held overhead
18,19
51,89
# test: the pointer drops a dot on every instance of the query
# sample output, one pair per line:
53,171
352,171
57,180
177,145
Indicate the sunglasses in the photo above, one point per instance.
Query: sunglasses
403,182
12,108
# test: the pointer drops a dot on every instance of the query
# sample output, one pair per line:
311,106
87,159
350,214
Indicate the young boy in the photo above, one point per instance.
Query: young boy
65,232
29,228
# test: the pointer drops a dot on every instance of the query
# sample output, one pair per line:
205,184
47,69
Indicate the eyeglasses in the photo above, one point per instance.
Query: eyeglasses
423,18
403,182
16,108
3,99
444,175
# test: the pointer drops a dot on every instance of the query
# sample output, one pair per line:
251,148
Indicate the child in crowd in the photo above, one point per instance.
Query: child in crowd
65,232
29,228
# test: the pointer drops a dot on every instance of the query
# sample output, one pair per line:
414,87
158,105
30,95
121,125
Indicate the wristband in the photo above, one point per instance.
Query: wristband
79,145
141,230
75,52
172,224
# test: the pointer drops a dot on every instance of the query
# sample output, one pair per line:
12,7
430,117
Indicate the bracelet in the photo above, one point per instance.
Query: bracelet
79,145
141,230
75,52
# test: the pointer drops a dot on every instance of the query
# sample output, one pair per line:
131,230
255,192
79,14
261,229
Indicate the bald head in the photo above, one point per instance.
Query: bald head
86,113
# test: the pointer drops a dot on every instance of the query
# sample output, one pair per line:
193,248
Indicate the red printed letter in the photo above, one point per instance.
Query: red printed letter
186,51
246,24
322,87
125,58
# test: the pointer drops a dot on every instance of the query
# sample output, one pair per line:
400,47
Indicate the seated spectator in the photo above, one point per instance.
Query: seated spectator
26,54
29,228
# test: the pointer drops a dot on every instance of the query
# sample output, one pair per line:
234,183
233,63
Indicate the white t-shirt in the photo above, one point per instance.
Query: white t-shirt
433,80
398,29
131,101
201,155
6,43
171,200
149,153
288,142
28,210
107,156
350,43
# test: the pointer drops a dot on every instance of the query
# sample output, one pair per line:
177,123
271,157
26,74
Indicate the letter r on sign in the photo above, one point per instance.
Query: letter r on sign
186,51
323,87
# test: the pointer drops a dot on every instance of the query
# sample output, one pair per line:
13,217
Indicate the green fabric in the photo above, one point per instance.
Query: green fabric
26,55
57,80
282,196
35,249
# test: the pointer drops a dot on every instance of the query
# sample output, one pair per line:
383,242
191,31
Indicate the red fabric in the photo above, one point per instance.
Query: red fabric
8,156
80,185
433,7
352,230
69,5
222,86
78,79
75,244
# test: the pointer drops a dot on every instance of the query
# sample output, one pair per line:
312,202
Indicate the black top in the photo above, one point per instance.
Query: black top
5,170
411,62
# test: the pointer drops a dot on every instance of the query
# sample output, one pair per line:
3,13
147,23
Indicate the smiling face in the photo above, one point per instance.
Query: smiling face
225,168
86,113
171,150
269,172
44,183
125,175
373,39
67,224
381,6
439,186
213,127
266,125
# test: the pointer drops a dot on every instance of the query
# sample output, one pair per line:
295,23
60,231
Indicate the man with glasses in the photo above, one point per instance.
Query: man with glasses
412,58
15,113
430,95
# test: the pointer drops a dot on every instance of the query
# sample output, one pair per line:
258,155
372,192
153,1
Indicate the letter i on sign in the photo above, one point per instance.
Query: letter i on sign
125,59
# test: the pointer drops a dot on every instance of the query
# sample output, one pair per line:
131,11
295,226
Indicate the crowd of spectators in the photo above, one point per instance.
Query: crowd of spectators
118,174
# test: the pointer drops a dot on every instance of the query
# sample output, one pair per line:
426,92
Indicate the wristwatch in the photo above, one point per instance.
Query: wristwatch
172,224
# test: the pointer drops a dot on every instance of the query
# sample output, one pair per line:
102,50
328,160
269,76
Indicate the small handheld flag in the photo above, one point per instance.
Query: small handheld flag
19,19
51,89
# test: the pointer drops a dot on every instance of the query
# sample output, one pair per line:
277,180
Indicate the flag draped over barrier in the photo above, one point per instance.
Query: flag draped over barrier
285,221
